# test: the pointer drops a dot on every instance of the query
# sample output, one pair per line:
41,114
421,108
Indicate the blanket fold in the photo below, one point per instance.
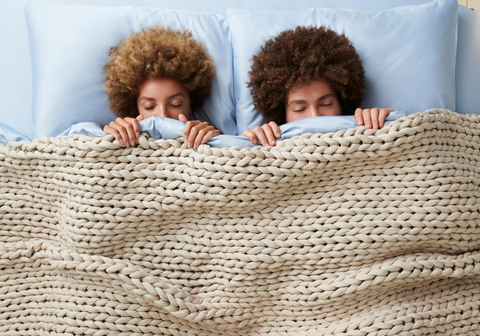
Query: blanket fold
357,232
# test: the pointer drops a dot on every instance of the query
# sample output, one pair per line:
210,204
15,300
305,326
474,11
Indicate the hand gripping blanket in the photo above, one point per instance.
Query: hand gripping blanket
358,232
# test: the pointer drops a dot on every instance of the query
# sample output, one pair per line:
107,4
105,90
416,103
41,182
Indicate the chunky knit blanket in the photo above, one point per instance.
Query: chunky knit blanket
358,232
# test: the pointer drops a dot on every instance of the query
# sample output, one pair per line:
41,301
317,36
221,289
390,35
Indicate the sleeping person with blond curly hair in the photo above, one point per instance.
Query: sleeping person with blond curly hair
158,72
307,72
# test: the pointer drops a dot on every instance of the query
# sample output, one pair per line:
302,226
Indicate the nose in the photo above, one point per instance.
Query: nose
312,111
162,111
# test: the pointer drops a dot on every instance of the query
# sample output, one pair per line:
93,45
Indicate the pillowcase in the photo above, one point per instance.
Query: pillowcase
15,67
15,62
69,47
408,53
468,62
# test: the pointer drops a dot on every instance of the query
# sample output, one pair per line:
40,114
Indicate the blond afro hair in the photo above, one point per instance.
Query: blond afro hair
294,58
154,53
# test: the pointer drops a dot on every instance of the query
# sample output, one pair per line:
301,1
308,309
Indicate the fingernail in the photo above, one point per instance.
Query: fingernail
189,144
272,143
368,126
278,135
138,134
121,141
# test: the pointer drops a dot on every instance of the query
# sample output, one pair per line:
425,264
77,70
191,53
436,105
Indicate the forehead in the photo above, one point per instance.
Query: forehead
159,87
318,87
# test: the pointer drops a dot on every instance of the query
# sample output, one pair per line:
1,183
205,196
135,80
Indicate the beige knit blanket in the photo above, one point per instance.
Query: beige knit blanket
358,232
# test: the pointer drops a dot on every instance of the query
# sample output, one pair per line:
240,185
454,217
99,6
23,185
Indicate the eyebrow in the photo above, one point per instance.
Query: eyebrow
175,95
172,96
147,98
301,101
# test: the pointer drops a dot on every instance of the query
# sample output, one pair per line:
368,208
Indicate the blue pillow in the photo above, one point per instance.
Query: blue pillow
15,67
69,46
408,52
16,81
468,62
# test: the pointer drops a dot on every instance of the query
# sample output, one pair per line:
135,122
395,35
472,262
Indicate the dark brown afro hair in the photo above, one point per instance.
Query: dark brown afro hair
154,53
294,58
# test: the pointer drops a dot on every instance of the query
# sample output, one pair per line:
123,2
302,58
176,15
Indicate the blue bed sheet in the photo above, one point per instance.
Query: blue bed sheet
8,134
165,128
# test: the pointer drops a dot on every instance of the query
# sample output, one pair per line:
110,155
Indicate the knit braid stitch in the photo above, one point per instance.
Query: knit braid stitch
358,232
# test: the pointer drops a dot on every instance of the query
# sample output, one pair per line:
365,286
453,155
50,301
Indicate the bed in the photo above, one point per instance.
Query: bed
343,231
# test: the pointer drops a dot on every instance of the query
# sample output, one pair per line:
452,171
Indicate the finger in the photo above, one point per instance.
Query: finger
251,136
182,118
186,130
140,117
193,133
374,115
123,134
383,114
200,135
210,135
109,130
267,129
136,126
128,130
359,116
121,131
366,118
275,129
188,127
260,135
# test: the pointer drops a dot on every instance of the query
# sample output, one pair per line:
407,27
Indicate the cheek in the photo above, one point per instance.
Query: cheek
143,113
293,116
335,111
185,110
338,108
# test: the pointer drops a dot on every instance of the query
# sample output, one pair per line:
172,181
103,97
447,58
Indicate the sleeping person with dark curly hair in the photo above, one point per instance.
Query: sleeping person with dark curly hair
158,72
307,72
